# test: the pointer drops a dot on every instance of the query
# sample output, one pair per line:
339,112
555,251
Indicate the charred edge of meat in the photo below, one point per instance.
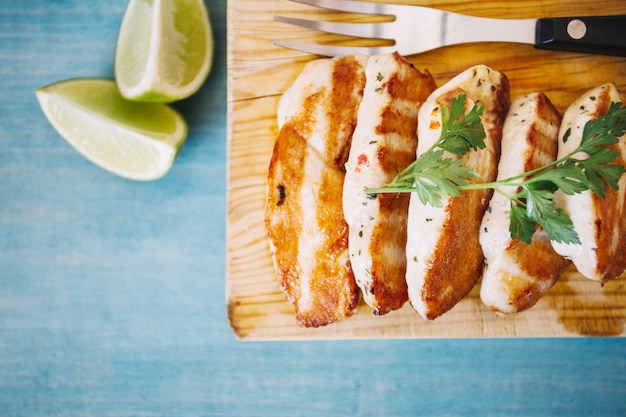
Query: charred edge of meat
281,194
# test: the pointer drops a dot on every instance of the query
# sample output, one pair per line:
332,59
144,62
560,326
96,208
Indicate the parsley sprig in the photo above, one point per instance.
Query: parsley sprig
588,167
434,173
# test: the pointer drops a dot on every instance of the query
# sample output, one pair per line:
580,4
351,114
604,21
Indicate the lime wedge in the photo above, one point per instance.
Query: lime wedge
164,49
138,141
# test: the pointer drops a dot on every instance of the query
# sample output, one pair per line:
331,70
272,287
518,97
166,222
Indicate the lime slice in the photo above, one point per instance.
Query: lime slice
164,49
137,141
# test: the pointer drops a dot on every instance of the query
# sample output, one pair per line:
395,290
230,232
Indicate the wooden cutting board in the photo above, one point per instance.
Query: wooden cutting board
258,73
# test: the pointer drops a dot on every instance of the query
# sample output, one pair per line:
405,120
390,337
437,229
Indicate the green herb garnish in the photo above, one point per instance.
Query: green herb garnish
433,174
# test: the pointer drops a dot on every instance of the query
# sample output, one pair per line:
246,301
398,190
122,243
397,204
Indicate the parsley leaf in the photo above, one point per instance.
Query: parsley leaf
435,175
520,225
460,132
605,130
540,209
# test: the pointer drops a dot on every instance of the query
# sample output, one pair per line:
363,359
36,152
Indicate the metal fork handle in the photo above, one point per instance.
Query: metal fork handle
591,34
458,28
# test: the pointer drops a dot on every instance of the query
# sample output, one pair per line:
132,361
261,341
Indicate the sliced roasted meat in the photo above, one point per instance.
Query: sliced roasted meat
444,257
599,222
384,143
518,274
304,216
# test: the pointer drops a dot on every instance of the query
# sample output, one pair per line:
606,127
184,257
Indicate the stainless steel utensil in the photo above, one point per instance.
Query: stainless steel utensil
417,29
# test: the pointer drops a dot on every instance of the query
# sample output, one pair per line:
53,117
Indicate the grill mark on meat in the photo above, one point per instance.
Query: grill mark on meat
611,261
341,110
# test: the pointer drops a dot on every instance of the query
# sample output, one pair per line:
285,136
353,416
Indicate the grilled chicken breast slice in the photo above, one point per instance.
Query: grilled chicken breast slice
383,144
444,257
599,222
307,231
517,274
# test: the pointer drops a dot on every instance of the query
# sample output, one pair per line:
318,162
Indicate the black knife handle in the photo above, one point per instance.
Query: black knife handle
605,35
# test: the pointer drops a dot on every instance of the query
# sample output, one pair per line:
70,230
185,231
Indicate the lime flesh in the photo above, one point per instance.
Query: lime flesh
164,49
138,141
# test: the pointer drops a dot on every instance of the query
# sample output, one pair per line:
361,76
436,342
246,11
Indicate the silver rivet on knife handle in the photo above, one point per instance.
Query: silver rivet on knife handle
576,29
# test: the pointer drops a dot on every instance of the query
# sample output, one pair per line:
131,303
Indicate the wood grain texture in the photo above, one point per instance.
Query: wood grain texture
258,73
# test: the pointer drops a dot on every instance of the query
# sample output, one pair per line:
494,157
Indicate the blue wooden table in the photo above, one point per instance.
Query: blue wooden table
112,291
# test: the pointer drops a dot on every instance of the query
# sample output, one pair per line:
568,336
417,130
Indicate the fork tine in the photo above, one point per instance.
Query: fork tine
333,50
362,30
351,6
